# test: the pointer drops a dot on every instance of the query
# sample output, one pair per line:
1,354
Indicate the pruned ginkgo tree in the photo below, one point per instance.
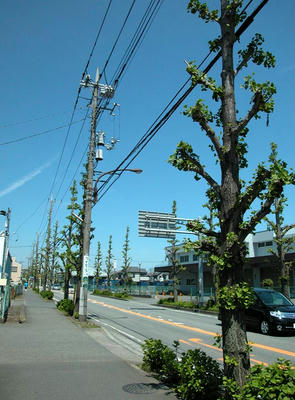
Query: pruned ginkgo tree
126,260
283,244
231,197
174,263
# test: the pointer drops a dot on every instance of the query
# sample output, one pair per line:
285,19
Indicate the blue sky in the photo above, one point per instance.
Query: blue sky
44,48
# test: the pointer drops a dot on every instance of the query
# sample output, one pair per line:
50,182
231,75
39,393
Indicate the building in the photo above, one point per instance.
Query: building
260,265
137,275
16,272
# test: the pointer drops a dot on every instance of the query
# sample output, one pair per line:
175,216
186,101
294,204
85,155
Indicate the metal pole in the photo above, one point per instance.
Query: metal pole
88,192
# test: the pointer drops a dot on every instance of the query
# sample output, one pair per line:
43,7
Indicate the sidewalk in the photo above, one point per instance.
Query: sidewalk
47,356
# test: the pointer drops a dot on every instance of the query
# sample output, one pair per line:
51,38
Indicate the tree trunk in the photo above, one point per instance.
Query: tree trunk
77,296
235,352
175,286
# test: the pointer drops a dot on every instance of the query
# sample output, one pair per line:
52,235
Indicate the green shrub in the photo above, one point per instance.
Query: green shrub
66,305
200,376
182,304
153,359
275,381
104,292
76,315
47,294
267,283
36,290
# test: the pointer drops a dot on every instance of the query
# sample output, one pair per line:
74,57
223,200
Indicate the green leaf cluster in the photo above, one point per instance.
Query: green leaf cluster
236,297
196,6
255,52
266,89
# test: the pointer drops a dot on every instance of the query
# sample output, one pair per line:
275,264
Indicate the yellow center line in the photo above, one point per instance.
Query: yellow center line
190,328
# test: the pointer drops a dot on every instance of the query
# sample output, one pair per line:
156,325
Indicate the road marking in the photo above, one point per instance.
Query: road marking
185,342
119,330
196,340
163,321
274,349
190,328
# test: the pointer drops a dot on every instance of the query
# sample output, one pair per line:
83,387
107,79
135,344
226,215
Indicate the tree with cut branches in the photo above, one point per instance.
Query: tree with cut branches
173,261
98,264
69,243
230,196
109,262
126,259
284,243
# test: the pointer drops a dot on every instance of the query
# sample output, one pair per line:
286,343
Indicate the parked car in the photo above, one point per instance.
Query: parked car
71,289
271,312
56,286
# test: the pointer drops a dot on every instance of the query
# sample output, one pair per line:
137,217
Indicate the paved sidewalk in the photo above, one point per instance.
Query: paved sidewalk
48,356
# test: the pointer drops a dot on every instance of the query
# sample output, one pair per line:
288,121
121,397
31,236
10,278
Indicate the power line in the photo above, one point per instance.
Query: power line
118,37
40,133
31,120
79,90
155,127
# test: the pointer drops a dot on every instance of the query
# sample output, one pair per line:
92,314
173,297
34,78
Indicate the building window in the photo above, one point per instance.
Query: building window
184,258
13,269
195,257
265,244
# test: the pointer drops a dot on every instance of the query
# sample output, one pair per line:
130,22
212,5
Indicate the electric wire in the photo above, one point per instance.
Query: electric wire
144,25
79,90
75,105
39,134
118,37
151,132
31,120
102,107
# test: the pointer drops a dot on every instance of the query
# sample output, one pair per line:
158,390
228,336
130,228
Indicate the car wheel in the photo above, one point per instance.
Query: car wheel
264,327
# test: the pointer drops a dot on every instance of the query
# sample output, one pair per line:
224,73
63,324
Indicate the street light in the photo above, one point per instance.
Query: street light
95,190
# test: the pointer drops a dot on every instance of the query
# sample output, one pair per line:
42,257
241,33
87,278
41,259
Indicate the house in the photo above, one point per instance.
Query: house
137,274
16,271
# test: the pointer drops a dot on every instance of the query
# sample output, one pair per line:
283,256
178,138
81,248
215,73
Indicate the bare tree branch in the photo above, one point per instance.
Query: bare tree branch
252,191
261,213
257,101
197,167
199,117
195,226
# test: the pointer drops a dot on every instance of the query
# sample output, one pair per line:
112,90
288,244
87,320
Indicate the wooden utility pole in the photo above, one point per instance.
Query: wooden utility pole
48,247
37,266
53,256
88,198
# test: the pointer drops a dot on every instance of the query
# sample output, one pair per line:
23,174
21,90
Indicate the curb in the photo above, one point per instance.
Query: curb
196,310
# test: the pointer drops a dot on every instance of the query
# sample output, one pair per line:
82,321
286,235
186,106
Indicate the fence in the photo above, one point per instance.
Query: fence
154,290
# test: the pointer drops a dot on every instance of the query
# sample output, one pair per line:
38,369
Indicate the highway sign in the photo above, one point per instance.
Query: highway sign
157,225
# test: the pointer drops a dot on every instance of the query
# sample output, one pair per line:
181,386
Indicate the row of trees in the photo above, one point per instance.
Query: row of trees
62,254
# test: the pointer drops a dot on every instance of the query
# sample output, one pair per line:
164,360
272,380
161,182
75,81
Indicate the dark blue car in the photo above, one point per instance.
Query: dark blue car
271,312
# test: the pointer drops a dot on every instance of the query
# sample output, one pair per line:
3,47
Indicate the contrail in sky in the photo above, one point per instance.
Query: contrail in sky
24,180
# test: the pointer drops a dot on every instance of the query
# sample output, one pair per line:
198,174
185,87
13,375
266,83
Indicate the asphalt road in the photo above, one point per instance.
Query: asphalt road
131,322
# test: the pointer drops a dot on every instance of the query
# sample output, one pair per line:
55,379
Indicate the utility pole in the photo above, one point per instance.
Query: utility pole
38,270
53,256
106,92
4,281
47,254
88,205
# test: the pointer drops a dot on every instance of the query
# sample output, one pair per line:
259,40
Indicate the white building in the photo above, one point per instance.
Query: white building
260,263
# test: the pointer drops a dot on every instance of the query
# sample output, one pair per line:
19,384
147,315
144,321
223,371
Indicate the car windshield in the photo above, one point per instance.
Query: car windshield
274,299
